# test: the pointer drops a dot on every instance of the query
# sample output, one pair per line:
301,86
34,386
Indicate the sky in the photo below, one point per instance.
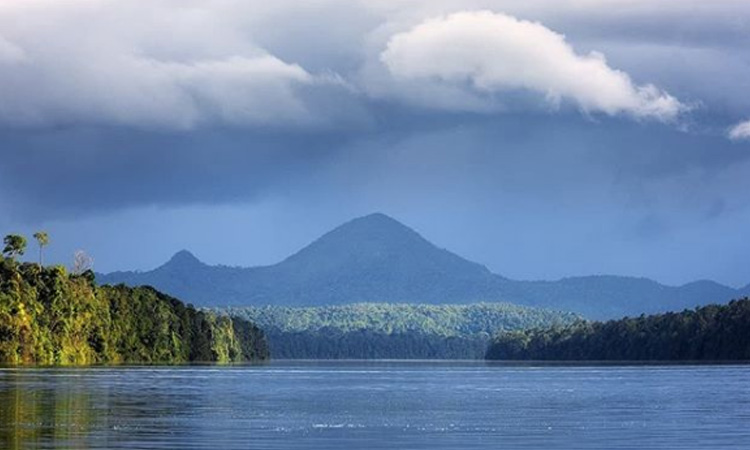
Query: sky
544,139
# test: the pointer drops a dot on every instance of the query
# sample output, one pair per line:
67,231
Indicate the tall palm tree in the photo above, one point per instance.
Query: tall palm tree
42,239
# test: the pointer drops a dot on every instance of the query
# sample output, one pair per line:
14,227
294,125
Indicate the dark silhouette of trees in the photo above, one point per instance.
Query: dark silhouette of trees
709,333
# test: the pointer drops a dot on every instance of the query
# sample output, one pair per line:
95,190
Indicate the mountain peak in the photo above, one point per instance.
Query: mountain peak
377,246
183,259
370,234
374,224
376,217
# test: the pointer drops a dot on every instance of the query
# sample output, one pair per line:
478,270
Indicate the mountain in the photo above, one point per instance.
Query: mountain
377,259
372,258
610,297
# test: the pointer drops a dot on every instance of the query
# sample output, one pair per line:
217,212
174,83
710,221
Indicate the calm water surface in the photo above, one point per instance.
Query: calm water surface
377,405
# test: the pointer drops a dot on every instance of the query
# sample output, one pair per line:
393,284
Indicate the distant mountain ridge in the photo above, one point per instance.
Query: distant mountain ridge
378,259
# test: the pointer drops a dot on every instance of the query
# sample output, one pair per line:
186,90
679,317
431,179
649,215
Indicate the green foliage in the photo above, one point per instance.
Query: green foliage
15,245
367,344
395,318
381,330
710,333
42,238
50,317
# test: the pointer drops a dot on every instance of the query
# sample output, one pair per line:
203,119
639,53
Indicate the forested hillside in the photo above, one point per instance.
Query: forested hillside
709,333
378,330
365,344
50,317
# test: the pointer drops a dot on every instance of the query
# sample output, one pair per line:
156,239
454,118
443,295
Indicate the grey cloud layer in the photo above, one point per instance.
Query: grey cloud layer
180,102
181,65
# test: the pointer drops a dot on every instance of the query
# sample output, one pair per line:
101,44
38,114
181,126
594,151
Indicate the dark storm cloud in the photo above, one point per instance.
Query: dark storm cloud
63,172
406,153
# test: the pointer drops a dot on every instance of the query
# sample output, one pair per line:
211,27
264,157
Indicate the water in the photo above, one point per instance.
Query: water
377,405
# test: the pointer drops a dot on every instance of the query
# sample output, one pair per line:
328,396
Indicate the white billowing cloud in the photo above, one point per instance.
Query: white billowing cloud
740,131
496,53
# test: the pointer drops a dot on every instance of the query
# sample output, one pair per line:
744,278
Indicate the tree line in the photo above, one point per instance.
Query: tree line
49,317
391,331
368,344
709,333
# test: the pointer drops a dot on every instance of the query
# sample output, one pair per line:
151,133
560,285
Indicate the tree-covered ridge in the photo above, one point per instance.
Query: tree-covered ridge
51,317
365,344
439,320
709,333
393,331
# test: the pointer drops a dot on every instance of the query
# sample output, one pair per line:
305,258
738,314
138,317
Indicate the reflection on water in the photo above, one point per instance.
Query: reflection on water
376,405
38,412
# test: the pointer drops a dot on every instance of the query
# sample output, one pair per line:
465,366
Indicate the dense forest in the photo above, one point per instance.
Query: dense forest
709,333
51,317
397,331
367,344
